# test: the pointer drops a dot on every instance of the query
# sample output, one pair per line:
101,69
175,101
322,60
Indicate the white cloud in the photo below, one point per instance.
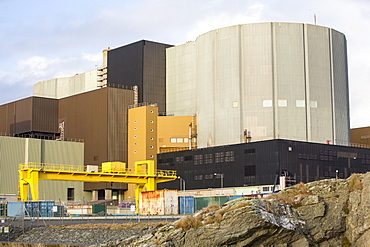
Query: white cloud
223,19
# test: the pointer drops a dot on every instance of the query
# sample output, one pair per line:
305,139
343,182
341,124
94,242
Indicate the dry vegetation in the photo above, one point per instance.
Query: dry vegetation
123,226
354,182
206,216
293,195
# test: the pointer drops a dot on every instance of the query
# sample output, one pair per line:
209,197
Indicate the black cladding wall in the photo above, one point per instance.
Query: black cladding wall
142,63
259,163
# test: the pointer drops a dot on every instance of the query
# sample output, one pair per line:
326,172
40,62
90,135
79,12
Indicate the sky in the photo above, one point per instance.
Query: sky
43,39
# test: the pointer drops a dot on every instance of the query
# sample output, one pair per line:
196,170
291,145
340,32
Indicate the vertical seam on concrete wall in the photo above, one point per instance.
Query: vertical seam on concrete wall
347,90
214,65
307,84
332,86
274,100
241,113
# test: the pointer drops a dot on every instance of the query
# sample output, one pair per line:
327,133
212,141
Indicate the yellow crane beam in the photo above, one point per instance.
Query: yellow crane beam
30,173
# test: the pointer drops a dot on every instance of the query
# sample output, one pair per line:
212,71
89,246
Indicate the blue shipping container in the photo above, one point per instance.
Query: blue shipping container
15,209
46,208
32,209
186,204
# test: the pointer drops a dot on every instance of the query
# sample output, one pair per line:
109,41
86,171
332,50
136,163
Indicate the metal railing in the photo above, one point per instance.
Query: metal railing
82,168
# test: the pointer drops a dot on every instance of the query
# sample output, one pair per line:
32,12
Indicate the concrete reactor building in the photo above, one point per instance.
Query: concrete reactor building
264,81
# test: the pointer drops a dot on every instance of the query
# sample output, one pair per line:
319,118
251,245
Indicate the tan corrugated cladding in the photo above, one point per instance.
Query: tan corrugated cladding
173,127
118,102
98,117
29,114
142,136
15,150
360,137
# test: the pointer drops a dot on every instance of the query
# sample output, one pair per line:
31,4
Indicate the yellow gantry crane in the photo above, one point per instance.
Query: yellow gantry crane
144,175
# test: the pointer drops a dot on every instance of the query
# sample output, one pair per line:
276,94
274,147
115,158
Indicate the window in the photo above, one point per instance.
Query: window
135,128
135,121
151,121
173,140
250,151
134,151
151,111
250,171
299,103
134,136
151,130
151,138
186,140
267,103
188,158
70,194
151,156
151,147
313,104
198,177
179,140
282,103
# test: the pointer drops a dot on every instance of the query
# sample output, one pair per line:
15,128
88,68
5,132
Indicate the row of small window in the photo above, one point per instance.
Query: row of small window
206,177
284,103
179,140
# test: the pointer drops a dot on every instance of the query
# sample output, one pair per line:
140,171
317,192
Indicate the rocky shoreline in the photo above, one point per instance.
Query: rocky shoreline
325,213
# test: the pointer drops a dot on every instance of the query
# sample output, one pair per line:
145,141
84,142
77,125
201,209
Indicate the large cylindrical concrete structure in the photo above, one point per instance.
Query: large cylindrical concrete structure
265,80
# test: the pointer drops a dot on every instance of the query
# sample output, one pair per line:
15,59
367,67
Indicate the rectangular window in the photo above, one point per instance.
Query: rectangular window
282,103
267,103
250,171
70,194
299,103
179,140
173,140
186,140
313,104
250,151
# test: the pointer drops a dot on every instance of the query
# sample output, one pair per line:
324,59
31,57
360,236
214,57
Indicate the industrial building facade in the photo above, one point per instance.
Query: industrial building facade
262,81
16,150
261,163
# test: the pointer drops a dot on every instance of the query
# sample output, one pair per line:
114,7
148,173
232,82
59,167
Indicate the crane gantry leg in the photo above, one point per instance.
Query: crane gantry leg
31,178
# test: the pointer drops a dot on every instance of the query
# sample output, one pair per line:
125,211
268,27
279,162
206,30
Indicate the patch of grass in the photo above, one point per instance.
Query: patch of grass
210,209
345,242
293,195
354,182
188,222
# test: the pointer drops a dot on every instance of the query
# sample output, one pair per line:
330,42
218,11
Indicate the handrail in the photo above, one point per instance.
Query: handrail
82,168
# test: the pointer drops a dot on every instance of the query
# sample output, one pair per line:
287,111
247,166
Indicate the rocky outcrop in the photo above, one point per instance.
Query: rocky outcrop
323,213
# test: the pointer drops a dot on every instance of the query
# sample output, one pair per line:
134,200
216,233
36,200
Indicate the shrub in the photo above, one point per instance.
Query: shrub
293,195
354,182
188,222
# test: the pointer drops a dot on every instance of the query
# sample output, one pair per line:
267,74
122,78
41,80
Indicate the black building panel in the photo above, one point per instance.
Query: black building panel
261,163
143,64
